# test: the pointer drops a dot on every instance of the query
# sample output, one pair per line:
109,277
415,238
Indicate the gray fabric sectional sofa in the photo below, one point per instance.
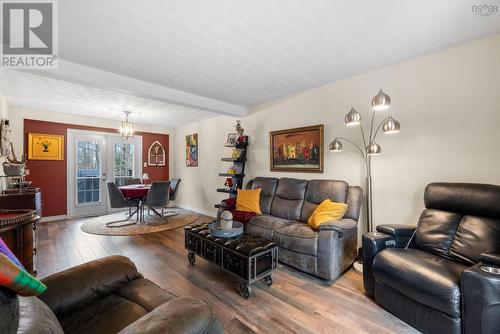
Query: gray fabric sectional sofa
286,205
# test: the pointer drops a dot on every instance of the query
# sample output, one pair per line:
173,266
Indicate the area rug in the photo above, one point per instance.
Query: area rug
97,225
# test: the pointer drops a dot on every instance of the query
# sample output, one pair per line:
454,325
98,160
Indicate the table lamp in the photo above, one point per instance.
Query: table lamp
145,178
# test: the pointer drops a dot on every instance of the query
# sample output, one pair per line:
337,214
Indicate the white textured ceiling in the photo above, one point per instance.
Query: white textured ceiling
250,51
238,52
37,92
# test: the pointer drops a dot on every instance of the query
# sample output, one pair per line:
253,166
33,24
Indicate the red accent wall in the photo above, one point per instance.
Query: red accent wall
51,176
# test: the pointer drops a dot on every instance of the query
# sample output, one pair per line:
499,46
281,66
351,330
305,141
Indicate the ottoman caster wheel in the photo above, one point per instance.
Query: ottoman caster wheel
267,281
191,258
245,290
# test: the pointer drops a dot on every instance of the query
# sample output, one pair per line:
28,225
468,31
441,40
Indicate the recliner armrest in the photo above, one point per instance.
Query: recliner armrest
481,300
397,229
341,225
491,258
77,287
178,316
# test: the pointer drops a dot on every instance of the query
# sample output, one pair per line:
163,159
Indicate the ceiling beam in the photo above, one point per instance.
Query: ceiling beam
89,76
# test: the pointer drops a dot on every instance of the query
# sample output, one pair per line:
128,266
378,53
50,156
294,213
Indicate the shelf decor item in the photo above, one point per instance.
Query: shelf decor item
297,150
369,148
45,146
231,139
156,155
192,150
235,174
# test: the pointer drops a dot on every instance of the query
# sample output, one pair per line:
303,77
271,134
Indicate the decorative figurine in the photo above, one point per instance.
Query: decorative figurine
231,170
228,185
239,129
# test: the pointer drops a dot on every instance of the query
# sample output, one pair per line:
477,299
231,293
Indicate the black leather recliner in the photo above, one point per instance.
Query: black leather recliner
442,276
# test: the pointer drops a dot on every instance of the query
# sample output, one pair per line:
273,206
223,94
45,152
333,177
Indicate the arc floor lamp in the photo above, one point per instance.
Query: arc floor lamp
389,125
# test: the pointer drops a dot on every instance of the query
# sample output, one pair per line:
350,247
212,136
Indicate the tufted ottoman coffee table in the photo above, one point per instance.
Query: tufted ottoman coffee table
247,257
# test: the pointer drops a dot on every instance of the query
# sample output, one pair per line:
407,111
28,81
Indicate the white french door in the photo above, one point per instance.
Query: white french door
93,159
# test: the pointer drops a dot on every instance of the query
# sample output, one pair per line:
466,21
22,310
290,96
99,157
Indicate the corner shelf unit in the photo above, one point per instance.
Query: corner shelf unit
239,166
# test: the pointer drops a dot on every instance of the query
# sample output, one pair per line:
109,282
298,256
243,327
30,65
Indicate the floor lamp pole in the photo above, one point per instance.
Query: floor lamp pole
388,125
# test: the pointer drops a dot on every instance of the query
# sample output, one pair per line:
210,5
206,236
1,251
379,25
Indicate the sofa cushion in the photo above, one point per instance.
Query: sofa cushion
318,191
475,235
289,198
268,185
424,277
436,230
327,212
145,293
105,315
36,317
265,225
298,237
354,202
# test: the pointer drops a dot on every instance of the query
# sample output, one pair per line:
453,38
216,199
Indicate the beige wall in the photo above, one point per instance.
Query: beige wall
448,104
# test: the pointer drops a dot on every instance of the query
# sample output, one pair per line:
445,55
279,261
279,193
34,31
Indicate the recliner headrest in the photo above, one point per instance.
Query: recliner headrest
465,198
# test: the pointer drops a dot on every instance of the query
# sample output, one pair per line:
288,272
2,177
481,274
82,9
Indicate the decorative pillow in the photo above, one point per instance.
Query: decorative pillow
325,212
15,278
248,200
5,250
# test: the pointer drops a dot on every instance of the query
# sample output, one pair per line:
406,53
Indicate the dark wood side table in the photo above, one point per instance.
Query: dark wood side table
21,239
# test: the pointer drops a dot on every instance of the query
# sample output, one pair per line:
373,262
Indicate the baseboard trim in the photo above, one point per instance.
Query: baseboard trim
53,218
198,210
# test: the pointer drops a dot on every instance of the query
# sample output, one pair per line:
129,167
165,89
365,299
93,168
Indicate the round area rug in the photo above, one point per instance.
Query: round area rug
97,225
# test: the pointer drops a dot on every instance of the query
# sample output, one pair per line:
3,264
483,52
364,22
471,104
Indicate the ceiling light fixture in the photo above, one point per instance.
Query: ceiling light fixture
127,128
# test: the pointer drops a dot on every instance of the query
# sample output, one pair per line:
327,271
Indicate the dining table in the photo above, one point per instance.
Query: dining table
138,192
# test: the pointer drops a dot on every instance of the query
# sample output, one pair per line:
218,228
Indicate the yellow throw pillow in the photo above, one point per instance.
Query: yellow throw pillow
327,211
248,200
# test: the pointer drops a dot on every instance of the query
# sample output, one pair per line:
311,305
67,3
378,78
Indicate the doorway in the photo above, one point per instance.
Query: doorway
93,159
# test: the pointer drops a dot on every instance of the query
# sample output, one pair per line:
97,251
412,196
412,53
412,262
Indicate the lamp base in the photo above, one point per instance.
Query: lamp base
358,267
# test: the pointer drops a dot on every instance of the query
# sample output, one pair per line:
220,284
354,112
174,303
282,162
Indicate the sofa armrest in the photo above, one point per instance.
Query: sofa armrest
481,300
341,225
178,316
77,287
397,229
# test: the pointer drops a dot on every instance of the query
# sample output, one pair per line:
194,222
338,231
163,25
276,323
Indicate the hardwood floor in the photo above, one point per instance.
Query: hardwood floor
295,303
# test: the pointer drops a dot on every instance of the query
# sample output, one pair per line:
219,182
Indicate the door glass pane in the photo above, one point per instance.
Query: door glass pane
123,162
88,171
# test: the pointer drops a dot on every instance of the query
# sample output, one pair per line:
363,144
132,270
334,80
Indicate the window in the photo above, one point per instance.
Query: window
88,172
123,162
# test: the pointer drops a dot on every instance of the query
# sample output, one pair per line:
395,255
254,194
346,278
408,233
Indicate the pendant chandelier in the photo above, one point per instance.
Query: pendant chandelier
127,128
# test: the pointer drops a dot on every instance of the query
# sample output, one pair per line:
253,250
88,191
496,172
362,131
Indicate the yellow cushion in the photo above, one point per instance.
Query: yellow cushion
325,212
248,200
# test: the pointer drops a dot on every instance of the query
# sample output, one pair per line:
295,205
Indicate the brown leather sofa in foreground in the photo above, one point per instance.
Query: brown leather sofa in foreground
446,278
106,296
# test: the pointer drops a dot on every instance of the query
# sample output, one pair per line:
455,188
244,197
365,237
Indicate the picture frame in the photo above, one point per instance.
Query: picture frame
192,150
232,139
297,150
45,146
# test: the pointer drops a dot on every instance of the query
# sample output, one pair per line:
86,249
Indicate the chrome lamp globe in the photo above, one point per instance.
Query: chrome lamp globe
368,148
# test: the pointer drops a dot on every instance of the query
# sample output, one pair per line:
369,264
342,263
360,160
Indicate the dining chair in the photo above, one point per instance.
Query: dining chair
174,187
132,180
118,201
157,197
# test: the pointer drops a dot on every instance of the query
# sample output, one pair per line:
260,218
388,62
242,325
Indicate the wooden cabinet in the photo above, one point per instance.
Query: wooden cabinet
21,238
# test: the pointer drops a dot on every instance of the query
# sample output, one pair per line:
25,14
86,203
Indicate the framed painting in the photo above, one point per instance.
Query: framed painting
45,147
297,150
192,150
